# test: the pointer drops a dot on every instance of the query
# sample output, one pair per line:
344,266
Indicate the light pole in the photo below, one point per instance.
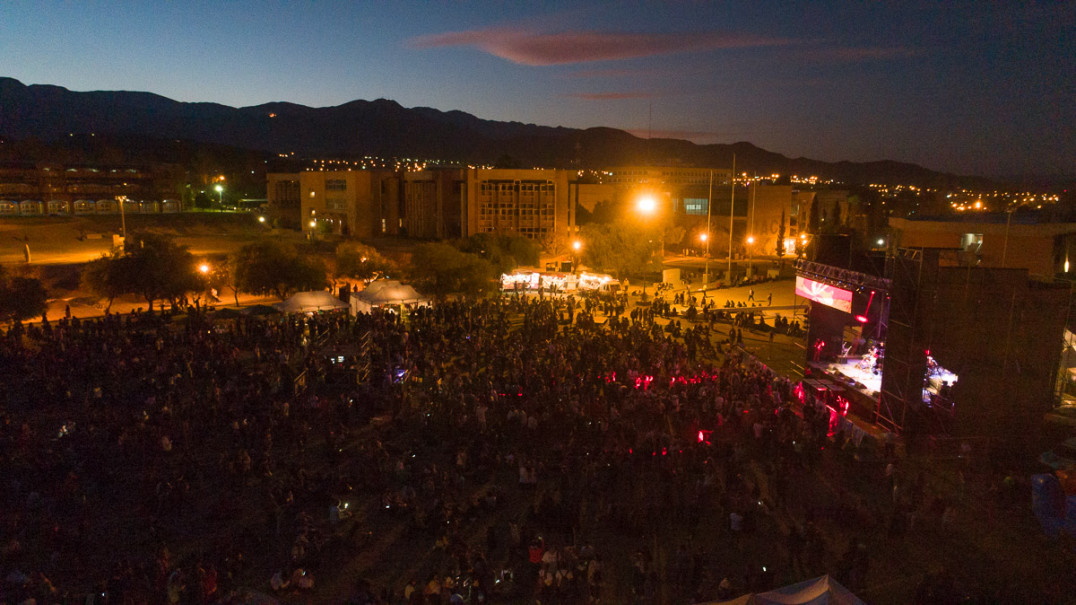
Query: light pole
706,236
122,199
647,205
750,253
576,247
220,194
732,205
1005,248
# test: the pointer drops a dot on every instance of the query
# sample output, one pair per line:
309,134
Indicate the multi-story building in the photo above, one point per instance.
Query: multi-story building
352,202
530,203
432,203
539,204
282,193
1001,240
60,187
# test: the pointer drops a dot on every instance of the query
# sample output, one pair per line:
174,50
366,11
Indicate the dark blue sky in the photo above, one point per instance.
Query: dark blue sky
973,88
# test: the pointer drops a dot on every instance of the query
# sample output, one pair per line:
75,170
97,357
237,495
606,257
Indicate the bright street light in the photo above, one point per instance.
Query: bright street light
203,268
577,245
646,204
220,193
750,240
704,237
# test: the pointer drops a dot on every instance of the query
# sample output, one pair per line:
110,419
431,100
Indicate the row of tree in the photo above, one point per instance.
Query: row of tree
160,271
156,268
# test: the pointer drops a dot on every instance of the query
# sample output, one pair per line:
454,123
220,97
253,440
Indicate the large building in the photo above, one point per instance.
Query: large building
59,188
531,203
1003,240
429,203
362,203
541,204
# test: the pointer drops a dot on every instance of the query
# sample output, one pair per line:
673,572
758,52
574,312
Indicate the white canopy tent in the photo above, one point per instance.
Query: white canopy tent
311,302
823,590
385,292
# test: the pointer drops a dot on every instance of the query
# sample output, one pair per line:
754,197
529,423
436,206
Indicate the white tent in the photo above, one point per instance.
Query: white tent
823,590
311,302
385,292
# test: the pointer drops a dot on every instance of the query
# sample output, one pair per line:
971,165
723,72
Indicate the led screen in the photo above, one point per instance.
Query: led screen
824,293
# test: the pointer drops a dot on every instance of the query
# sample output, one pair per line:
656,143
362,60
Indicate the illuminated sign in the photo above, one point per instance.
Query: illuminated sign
824,293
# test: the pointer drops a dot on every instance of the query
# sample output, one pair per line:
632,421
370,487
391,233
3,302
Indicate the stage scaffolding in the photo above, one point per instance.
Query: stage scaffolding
997,329
905,363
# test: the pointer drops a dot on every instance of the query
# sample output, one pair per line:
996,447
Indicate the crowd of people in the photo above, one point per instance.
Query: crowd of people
518,444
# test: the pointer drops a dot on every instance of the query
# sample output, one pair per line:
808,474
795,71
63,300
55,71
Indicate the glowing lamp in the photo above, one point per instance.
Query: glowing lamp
646,204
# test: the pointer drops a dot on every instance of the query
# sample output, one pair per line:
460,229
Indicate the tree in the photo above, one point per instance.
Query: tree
441,269
22,298
103,277
360,261
623,248
269,267
781,236
156,268
504,252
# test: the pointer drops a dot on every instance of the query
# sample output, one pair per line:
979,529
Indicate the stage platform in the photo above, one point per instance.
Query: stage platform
848,372
859,387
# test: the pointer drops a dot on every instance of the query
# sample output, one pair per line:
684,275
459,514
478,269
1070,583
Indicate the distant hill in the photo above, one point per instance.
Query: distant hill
386,129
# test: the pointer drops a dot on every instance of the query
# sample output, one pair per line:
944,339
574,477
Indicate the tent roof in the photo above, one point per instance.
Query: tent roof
384,291
823,590
305,302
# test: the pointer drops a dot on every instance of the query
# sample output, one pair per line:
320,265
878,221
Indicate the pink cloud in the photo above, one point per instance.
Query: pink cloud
532,48
610,73
606,96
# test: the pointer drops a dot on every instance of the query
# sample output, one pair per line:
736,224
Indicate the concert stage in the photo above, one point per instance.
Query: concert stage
854,373
845,378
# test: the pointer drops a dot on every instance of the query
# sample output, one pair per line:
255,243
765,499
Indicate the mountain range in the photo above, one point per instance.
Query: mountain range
384,128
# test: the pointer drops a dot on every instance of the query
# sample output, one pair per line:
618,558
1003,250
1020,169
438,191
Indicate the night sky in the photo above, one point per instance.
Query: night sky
971,87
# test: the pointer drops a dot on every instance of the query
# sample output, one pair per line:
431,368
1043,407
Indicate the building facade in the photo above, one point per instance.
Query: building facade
530,203
62,189
1001,241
